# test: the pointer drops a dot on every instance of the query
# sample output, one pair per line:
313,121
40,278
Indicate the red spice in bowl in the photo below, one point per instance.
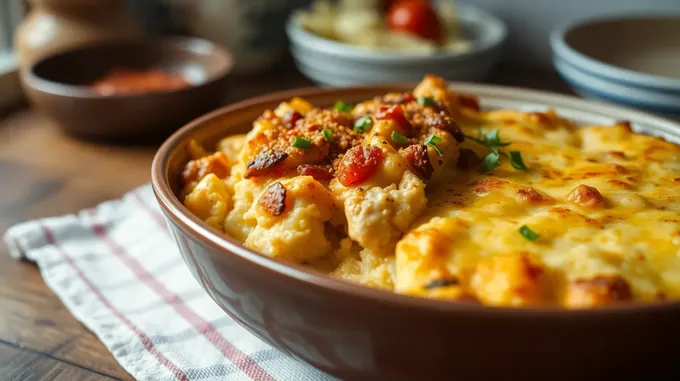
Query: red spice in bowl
128,81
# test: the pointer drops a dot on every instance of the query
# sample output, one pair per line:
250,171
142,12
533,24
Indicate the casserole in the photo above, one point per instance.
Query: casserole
356,332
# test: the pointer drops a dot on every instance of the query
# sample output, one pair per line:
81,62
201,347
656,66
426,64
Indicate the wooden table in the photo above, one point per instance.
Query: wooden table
45,173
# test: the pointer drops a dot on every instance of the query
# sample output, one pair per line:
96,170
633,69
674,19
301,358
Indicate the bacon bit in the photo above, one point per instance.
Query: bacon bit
468,101
273,200
318,172
487,185
398,99
586,196
419,160
395,114
217,164
264,163
467,159
291,117
358,164
603,289
445,123
532,196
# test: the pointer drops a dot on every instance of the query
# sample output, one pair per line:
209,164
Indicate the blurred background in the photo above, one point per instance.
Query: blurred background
513,35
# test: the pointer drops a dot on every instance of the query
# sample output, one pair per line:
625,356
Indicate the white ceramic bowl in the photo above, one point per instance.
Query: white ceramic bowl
632,60
329,62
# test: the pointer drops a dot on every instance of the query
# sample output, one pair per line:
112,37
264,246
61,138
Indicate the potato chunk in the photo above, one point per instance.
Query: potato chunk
209,201
297,233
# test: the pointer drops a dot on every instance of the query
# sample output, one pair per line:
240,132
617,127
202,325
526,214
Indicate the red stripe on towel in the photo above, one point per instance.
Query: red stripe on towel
148,344
237,357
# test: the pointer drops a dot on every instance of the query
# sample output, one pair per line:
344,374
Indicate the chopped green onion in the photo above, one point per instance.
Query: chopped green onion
327,134
432,141
342,107
426,101
299,142
492,141
516,161
363,124
528,233
398,138
491,138
490,162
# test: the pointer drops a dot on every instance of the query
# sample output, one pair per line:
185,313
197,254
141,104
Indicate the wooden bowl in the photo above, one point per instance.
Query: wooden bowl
57,86
359,333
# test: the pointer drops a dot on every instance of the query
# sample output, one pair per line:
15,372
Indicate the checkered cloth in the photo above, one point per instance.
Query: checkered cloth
118,271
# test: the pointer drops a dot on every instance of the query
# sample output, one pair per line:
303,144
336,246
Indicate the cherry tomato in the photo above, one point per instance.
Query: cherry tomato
359,164
415,17
395,114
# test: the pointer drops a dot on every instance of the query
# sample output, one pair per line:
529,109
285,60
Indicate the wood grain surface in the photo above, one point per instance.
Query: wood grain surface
44,173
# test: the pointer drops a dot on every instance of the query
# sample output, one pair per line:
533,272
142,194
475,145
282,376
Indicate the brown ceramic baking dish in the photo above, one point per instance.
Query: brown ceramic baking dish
58,85
358,333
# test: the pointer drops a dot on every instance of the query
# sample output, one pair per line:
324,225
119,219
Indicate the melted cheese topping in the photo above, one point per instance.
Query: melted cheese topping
602,201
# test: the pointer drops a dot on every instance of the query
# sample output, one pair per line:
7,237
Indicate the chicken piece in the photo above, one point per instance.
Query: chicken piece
380,209
290,216
209,201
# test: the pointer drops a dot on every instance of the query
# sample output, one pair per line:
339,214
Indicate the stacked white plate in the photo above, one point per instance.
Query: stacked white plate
631,60
335,63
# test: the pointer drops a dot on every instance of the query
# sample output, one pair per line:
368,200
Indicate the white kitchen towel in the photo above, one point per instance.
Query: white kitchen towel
117,269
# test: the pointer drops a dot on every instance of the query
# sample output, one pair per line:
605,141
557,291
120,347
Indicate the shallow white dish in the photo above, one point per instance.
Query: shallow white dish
632,60
329,62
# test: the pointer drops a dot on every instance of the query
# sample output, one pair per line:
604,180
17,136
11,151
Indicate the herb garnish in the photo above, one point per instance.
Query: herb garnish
426,101
528,233
342,107
398,138
363,124
491,140
432,141
516,161
491,161
299,142
327,134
